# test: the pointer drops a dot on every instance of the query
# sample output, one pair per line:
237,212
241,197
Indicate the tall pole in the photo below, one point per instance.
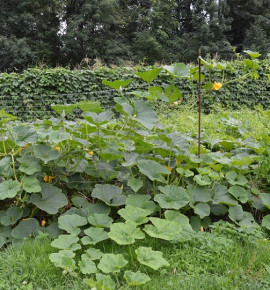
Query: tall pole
200,106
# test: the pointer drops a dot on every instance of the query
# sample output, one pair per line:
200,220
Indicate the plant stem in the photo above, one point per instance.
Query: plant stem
4,145
130,253
13,165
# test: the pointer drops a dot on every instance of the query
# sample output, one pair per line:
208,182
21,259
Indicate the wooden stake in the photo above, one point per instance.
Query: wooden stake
200,106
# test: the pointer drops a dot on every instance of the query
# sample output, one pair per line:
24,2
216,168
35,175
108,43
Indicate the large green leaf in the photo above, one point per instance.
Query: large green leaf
236,213
44,152
64,259
172,93
117,84
240,193
198,194
252,54
265,197
59,136
9,189
135,214
67,242
66,109
2,242
153,170
12,215
163,229
150,258
202,209
125,233
173,197
26,228
222,196
266,222
218,209
94,236
98,119
5,234
5,167
24,134
141,201
71,223
94,254
136,278
100,220
29,164
202,180
177,70
51,199
87,266
31,184
90,106
110,263
176,216
100,208
145,114
236,179
135,184
150,75
110,194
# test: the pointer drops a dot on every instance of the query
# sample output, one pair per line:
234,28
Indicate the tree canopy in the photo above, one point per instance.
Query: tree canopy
65,32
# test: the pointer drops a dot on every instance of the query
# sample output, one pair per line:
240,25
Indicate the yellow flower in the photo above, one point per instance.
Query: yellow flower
169,168
48,178
58,149
217,86
91,153
43,223
202,229
135,116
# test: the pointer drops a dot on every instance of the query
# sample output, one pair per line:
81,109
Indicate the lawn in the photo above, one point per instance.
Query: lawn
226,258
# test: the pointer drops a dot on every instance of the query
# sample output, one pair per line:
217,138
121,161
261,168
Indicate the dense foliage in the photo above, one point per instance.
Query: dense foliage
29,95
100,178
66,32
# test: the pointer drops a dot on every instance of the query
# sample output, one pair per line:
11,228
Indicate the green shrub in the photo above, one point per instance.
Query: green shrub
29,95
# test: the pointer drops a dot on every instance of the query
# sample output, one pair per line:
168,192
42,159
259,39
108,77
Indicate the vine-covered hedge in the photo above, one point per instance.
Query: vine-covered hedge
29,95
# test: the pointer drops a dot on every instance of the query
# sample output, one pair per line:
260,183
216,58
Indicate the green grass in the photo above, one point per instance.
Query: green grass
223,259
217,124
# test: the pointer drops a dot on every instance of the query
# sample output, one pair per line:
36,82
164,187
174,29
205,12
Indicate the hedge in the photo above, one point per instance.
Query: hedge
28,95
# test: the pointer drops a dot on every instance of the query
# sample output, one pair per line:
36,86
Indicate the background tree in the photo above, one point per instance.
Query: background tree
93,30
65,32
28,33
250,24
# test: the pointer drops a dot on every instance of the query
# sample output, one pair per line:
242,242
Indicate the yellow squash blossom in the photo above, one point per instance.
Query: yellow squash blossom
58,149
202,229
91,153
43,223
169,168
176,103
217,86
24,147
48,178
